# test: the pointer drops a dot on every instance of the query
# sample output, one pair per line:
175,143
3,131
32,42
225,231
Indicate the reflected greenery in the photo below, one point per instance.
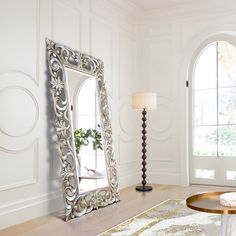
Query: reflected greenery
85,136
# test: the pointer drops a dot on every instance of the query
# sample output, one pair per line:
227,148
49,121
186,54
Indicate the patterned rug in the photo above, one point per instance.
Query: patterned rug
170,218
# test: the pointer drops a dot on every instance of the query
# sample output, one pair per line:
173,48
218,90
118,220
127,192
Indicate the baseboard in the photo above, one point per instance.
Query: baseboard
164,178
28,209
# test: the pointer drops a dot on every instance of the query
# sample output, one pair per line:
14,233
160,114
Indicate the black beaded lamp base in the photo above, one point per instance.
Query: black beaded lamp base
143,188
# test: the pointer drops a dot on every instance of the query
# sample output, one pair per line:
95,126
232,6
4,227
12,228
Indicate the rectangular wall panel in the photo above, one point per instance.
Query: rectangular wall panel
160,66
127,62
102,47
18,169
18,27
160,150
18,93
66,25
129,152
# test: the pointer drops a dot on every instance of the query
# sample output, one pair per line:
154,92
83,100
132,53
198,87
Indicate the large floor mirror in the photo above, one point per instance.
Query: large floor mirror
84,130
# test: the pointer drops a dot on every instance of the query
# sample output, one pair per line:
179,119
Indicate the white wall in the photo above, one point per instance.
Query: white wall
171,38
141,50
29,183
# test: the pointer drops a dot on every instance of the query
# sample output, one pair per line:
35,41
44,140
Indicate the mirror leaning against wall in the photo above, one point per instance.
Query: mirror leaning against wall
84,130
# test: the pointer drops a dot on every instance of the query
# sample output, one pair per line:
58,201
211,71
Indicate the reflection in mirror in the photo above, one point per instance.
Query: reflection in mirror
87,131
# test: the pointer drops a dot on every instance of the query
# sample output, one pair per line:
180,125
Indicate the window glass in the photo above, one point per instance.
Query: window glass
205,72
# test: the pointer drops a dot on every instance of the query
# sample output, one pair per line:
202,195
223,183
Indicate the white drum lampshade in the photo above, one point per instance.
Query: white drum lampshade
147,101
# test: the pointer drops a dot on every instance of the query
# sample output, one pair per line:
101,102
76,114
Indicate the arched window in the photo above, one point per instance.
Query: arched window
213,146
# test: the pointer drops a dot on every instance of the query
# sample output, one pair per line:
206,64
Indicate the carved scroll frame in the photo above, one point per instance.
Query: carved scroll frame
77,204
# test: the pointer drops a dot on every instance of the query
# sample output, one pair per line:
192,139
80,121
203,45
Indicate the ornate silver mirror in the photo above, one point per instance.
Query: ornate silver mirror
84,131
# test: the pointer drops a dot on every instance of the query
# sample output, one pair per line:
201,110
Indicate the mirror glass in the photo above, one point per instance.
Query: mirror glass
85,113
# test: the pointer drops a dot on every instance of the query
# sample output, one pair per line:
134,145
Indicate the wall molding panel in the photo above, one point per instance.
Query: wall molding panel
127,64
66,17
101,36
128,151
7,94
129,120
18,129
19,178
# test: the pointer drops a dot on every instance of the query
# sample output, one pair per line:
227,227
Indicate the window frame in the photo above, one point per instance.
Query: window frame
191,123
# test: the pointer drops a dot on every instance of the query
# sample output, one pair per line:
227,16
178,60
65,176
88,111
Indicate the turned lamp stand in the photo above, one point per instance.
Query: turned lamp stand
144,188
144,102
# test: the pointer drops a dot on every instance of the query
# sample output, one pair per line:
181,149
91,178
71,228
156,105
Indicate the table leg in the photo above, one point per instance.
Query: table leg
228,225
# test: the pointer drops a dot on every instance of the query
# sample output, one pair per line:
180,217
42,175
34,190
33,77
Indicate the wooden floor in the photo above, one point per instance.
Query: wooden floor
132,203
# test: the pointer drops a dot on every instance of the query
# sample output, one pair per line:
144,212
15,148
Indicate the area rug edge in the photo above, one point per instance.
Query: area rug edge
139,215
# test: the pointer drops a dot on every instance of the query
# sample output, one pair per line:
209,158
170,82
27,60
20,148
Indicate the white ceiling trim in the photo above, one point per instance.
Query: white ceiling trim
147,5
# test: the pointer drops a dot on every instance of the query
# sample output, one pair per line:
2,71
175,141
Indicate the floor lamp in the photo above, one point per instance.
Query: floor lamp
144,102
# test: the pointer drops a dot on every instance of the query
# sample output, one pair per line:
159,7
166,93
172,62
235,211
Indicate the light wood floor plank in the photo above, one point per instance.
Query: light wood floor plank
131,204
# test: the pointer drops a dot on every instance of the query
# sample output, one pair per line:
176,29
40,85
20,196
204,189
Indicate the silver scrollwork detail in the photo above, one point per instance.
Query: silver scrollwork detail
77,204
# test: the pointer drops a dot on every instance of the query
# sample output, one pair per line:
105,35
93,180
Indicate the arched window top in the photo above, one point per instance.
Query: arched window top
216,66
86,97
87,105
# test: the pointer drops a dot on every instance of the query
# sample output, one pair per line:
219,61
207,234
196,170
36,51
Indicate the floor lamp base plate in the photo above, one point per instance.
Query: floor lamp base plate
144,188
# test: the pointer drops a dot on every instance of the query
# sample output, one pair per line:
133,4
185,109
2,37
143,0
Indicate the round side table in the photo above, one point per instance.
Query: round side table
210,202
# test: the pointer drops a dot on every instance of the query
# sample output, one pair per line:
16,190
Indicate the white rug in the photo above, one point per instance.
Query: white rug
170,218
